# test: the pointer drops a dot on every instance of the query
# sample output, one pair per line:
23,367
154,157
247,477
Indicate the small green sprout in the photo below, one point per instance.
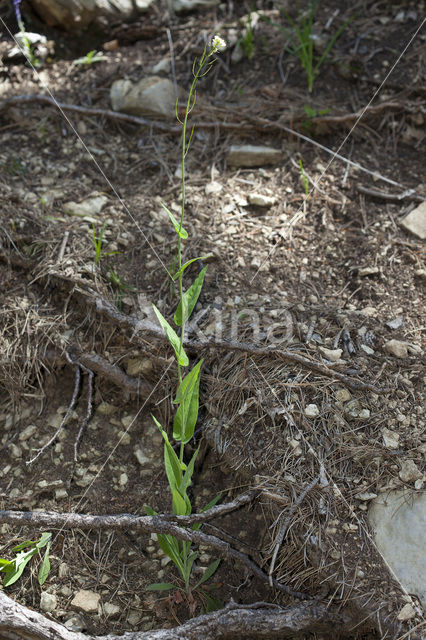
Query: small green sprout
90,58
98,242
302,38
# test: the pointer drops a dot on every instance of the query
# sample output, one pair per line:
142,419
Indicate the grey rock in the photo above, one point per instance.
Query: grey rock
410,472
91,206
75,623
399,522
395,323
252,156
311,411
181,6
27,432
415,222
47,602
85,600
153,97
74,15
260,200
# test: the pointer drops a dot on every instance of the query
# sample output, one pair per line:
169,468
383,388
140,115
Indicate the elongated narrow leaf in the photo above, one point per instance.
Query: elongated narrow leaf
181,232
187,477
215,500
12,574
208,573
186,265
187,398
172,338
191,297
4,564
160,586
45,566
24,545
170,548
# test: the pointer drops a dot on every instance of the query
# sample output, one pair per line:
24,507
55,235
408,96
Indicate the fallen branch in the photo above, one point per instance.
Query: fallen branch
148,524
253,122
146,326
233,622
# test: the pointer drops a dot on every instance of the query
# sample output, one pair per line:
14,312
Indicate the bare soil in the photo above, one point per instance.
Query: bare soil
337,264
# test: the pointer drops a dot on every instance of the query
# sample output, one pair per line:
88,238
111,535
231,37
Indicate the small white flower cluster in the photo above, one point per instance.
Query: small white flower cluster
218,44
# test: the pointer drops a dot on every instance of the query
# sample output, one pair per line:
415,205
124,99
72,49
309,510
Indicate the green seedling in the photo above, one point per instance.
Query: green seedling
98,243
304,178
301,37
311,113
246,41
120,287
90,58
13,569
179,473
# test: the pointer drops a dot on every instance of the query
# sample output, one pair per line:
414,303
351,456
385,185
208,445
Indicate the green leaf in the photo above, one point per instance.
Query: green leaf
187,397
184,266
45,566
191,297
24,545
186,480
211,569
180,231
172,338
161,586
5,563
213,604
169,546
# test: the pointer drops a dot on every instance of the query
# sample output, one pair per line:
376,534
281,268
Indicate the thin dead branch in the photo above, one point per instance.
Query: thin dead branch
145,326
233,622
147,524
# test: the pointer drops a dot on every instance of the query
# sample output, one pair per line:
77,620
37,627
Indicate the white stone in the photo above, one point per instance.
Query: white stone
124,479
368,271
75,623
213,187
415,222
141,457
89,207
410,472
365,496
342,395
396,348
260,200
311,411
333,355
27,433
407,612
152,97
368,350
106,409
181,6
111,610
252,156
399,521
85,600
390,438
47,601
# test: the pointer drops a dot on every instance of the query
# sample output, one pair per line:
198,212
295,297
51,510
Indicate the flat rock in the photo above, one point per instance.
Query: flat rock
390,438
85,600
153,97
333,355
399,522
181,6
47,602
74,15
415,222
401,349
311,411
410,472
248,155
260,200
91,206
